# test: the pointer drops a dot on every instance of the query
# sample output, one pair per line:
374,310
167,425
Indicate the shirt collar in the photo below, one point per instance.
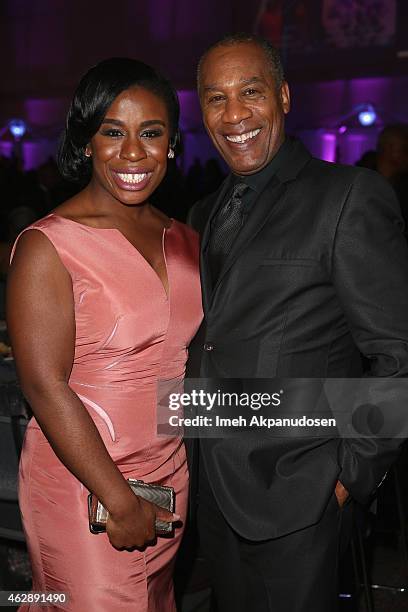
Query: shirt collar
259,180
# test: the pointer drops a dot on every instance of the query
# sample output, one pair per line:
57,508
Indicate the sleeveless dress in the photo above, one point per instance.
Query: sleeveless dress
129,335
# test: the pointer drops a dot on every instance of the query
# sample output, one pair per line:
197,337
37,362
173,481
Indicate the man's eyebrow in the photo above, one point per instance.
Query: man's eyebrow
254,79
210,87
143,124
248,81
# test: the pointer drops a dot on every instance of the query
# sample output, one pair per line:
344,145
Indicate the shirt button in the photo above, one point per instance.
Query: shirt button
208,346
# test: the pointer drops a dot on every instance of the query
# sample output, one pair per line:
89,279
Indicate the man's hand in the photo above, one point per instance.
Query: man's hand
341,494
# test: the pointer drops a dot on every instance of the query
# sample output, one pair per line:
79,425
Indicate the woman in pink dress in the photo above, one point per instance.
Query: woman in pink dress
103,300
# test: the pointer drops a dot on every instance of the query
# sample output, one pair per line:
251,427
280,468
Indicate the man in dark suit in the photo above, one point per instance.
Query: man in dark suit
303,266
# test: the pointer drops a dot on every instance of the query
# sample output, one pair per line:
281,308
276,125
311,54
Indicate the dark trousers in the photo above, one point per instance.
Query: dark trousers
293,573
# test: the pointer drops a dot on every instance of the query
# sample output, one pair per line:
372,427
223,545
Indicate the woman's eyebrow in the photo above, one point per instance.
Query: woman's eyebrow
142,124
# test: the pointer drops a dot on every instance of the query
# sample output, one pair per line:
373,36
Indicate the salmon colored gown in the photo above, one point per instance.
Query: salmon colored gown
129,335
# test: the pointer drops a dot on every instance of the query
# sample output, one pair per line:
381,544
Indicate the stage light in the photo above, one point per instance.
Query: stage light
17,127
367,115
342,129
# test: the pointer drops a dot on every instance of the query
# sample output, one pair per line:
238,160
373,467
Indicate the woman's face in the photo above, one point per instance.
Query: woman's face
129,151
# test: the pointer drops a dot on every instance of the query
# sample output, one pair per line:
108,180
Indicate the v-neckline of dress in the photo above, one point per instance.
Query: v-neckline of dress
166,291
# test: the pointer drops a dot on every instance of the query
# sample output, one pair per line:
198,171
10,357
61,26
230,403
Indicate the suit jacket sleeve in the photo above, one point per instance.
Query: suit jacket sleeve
370,272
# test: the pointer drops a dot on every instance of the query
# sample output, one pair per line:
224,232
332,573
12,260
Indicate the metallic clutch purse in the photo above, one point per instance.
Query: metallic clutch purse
156,494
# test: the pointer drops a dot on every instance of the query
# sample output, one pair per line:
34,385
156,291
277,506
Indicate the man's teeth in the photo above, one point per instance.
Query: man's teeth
244,137
132,178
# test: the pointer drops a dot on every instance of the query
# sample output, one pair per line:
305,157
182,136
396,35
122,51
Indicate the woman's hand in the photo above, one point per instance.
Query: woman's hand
135,526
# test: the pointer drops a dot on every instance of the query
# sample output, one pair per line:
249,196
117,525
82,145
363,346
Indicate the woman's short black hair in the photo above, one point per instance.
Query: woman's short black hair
96,91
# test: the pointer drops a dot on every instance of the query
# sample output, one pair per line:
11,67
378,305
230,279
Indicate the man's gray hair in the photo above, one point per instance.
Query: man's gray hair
272,54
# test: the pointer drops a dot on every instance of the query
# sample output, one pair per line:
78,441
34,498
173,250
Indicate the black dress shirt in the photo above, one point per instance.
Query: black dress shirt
258,181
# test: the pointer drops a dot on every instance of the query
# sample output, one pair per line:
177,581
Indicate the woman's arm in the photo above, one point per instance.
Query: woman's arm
41,322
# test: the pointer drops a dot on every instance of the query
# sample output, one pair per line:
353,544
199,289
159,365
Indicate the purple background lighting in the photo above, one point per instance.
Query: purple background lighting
50,44
323,115
320,112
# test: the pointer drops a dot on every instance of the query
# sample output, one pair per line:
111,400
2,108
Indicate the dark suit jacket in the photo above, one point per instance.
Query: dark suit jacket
318,273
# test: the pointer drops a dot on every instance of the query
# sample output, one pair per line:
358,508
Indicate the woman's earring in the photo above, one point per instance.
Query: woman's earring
170,154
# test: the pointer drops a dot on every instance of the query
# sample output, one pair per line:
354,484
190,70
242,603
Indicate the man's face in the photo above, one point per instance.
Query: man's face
243,110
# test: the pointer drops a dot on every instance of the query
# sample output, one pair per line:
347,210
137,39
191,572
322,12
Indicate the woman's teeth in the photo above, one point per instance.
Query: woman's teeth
132,178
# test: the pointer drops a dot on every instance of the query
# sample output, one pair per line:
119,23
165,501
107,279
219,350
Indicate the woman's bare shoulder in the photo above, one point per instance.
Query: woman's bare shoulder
80,210
34,252
74,208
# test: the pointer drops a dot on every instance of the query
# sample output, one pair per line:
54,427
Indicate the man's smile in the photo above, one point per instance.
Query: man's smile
241,138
